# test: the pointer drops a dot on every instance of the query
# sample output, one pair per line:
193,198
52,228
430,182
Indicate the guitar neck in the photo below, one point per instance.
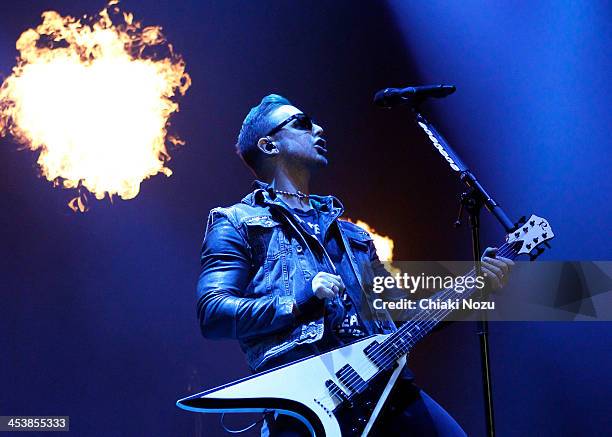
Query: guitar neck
412,331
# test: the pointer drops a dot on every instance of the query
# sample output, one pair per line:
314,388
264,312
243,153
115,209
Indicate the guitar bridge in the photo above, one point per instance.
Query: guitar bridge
336,391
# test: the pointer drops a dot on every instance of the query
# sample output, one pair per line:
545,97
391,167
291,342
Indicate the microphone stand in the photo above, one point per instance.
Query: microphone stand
473,199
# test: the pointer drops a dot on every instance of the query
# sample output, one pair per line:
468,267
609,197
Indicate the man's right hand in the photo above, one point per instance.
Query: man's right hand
326,285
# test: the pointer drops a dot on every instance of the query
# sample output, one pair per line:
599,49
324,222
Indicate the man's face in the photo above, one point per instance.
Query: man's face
296,142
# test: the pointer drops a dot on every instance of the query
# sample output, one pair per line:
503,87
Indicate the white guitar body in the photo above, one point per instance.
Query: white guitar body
302,389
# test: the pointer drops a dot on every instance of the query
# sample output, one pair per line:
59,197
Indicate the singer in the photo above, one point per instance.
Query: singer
281,272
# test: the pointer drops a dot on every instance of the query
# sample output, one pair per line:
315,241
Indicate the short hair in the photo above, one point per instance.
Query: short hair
256,125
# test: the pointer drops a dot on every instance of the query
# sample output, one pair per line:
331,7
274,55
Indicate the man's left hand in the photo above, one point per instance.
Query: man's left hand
495,268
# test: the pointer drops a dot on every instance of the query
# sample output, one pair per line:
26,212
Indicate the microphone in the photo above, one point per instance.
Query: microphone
390,97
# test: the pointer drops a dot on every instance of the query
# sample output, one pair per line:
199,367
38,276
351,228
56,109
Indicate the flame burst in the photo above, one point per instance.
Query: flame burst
383,244
93,101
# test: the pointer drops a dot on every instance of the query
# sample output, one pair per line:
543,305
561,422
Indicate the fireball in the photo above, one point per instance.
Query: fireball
93,97
382,243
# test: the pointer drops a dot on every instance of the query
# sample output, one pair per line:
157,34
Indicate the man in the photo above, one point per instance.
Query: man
283,275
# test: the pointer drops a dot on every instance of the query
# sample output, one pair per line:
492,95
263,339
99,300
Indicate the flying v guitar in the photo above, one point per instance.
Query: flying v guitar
341,392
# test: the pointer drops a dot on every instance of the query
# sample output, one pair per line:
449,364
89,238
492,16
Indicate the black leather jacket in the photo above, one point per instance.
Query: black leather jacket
257,265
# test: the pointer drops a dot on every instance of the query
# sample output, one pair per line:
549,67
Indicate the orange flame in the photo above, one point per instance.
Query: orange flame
93,103
383,244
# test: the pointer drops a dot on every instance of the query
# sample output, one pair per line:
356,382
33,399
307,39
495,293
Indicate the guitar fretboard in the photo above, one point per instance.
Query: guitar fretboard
411,332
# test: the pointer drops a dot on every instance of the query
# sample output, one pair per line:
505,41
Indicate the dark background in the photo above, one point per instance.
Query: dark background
97,317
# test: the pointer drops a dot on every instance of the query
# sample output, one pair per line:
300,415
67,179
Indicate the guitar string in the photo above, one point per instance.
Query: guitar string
504,250
433,321
396,354
413,323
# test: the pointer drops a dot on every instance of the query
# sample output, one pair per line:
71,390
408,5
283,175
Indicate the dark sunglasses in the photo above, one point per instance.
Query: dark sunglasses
302,122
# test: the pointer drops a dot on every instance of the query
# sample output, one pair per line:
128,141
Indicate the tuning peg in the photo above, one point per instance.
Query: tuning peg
536,239
537,252
519,223
532,222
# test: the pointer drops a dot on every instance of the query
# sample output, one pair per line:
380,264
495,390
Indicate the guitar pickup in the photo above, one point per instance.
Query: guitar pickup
335,390
378,357
351,379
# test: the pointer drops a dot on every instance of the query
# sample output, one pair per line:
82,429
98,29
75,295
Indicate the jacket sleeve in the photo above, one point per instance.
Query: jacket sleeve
223,310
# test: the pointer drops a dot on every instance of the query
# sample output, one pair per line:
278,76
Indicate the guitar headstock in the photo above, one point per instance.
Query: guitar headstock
530,235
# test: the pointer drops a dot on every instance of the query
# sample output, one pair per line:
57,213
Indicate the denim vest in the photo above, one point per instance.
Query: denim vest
257,268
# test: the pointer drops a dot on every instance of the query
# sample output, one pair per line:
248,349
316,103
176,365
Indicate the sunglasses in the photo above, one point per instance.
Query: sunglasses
302,122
